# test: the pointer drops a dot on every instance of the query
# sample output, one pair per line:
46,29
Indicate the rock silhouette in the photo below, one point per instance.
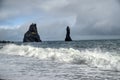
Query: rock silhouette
32,35
68,38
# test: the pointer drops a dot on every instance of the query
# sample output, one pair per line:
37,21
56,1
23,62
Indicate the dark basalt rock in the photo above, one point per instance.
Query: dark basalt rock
6,41
32,35
68,38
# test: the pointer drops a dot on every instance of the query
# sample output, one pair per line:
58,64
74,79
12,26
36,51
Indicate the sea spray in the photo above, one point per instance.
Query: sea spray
93,57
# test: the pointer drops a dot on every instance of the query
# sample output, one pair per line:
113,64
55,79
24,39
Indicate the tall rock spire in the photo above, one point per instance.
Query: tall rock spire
68,38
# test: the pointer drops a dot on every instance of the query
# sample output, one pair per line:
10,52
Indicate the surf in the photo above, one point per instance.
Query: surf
92,57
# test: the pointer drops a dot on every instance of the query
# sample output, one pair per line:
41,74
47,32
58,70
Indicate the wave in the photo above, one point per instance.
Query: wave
95,57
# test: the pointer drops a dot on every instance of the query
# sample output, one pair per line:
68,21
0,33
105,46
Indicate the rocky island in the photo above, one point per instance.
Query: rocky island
32,34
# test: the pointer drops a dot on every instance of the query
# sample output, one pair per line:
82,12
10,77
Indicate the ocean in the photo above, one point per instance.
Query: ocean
59,60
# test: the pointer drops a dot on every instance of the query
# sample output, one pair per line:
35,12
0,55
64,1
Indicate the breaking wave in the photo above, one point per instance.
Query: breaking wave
95,57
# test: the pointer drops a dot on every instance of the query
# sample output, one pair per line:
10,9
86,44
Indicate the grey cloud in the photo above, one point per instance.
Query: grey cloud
101,18
16,8
89,17
93,17
8,34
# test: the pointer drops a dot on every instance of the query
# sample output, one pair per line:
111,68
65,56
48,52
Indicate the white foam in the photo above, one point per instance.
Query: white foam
96,57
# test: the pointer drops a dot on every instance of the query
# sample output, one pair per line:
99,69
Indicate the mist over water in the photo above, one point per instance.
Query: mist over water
100,54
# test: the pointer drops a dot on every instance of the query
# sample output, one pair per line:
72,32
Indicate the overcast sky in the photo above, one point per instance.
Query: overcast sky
88,19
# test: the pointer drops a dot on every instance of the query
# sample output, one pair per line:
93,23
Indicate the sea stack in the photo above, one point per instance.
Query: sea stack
32,35
68,38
